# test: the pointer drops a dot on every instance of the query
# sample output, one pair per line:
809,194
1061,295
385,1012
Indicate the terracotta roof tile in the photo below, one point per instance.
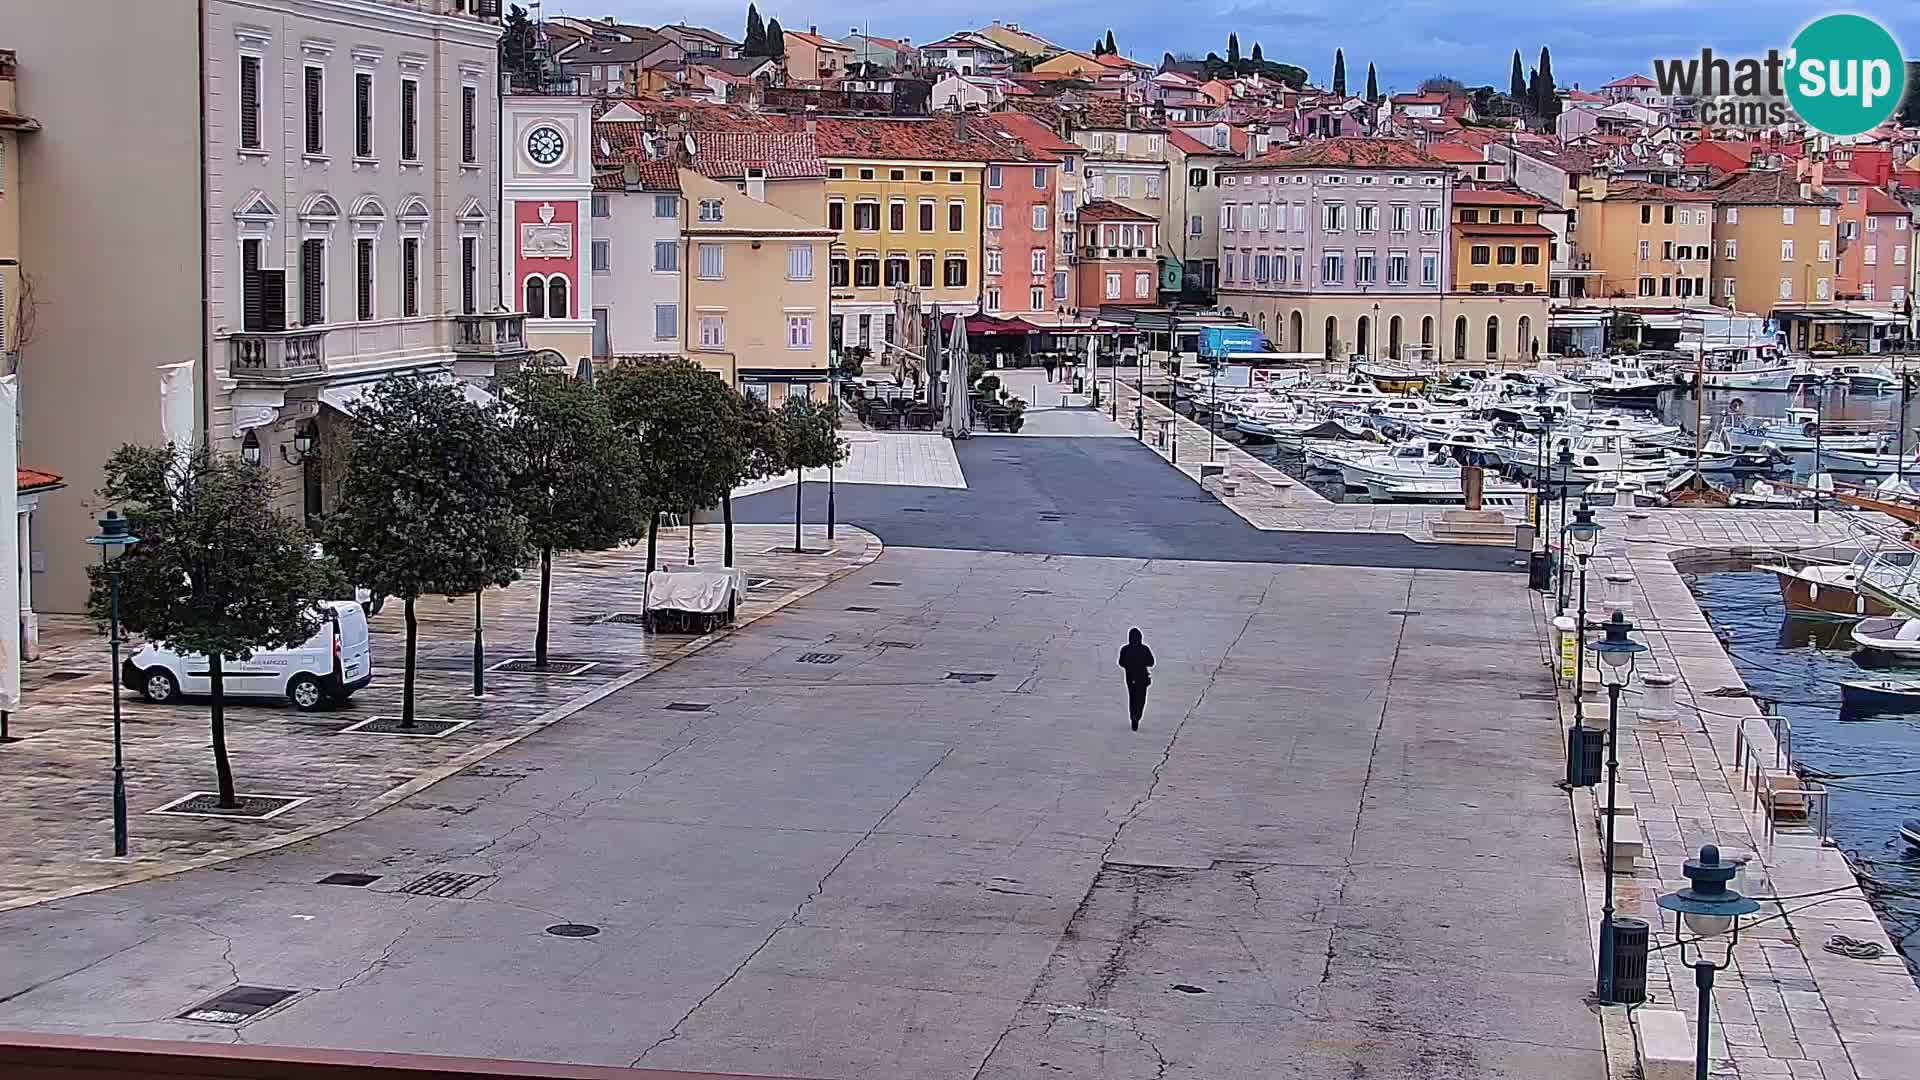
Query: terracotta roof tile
1455,153
652,176
1642,191
935,139
1765,187
1467,195
35,479
727,155
1879,202
1353,153
1502,228
1037,136
1633,81
1108,210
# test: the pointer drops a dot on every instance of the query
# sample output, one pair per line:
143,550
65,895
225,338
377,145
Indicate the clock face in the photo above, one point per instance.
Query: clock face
545,145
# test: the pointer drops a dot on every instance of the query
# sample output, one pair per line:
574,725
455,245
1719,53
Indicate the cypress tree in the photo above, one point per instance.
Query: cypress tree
1112,50
1257,58
1340,72
756,42
1517,88
1373,85
1548,103
1233,49
776,40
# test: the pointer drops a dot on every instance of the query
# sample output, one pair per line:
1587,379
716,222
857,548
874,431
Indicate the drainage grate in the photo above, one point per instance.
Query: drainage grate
65,676
572,929
237,1005
444,884
255,807
1050,517
897,644
688,706
1039,592
556,665
883,584
861,607
626,618
820,658
913,509
423,727
353,881
970,676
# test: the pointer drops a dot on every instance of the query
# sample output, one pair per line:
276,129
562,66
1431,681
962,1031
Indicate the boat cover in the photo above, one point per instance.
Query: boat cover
705,592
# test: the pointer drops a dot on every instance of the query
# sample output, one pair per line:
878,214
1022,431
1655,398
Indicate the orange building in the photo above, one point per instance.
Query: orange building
1118,262
1020,251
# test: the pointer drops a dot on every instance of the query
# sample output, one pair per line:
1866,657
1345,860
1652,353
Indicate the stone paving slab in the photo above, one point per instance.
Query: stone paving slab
55,781
1787,1007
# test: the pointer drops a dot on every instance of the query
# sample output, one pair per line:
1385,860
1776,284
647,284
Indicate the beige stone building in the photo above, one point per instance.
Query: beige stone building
1650,244
316,209
1774,237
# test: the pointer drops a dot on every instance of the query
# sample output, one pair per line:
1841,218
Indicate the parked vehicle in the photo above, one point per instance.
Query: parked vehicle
328,667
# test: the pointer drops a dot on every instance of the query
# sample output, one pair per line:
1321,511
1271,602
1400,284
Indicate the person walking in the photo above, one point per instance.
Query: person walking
1137,661
1049,364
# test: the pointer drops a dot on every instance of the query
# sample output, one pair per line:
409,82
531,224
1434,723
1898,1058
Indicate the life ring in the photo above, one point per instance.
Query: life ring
1809,429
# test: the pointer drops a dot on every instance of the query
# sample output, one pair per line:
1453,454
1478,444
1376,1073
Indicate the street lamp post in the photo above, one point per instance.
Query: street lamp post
114,539
1584,534
1213,410
1565,483
1710,907
479,650
1819,422
1139,396
1616,653
833,401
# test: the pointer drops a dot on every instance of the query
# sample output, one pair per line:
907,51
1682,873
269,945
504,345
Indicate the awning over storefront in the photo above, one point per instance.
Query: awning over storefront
987,324
346,398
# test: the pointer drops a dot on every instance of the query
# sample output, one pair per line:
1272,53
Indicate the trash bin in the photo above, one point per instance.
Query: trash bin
1584,746
1630,937
1079,384
1540,572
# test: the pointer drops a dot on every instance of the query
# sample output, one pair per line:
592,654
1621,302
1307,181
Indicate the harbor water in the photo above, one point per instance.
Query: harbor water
1799,664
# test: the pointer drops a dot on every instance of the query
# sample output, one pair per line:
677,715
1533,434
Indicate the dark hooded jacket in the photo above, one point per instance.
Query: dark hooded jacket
1136,659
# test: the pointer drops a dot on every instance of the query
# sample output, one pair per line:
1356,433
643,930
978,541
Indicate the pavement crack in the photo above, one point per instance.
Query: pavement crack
68,974
1366,784
793,919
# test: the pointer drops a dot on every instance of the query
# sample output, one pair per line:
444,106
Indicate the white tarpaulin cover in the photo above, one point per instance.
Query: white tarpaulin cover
704,591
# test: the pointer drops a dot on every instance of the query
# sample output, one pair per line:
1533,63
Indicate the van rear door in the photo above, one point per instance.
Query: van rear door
356,646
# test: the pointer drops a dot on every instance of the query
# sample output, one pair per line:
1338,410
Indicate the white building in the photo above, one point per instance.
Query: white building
635,256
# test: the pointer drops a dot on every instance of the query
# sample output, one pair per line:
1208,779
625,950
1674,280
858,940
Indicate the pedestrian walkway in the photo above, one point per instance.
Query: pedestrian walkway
1788,1007
55,780
1248,486
902,459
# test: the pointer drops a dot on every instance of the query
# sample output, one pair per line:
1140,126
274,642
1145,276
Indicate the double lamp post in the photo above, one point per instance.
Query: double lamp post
113,539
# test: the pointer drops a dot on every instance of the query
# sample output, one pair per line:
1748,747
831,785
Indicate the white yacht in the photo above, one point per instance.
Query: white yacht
1756,365
1800,431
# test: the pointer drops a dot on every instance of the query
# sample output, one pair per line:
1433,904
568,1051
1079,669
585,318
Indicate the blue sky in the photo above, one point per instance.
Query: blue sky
1593,41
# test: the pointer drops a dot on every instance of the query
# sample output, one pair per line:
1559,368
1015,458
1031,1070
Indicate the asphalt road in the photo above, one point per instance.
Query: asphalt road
1094,496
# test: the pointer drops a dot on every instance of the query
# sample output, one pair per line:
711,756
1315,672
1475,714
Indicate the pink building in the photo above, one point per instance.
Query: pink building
1118,264
1885,250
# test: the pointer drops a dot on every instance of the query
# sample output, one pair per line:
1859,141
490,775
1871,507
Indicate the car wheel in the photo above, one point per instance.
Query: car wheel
159,686
306,693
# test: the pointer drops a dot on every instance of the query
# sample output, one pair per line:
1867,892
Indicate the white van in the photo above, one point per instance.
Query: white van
328,667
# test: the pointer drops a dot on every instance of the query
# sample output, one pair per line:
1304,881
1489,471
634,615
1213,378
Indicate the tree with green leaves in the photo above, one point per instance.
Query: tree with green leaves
218,571
1532,101
1233,49
1373,85
519,56
1517,85
809,439
1257,58
1547,99
776,40
567,472
1340,72
677,417
751,448
756,40
1112,50
427,503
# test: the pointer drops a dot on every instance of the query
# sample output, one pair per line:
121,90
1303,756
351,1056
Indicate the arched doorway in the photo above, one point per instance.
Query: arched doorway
1460,338
1333,337
1493,337
1426,336
1525,341
1262,323
1393,337
1297,331
1363,336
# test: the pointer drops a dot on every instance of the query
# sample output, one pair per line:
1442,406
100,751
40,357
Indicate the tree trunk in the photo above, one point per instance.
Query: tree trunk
406,686
726,514
799,485
222,768
546,589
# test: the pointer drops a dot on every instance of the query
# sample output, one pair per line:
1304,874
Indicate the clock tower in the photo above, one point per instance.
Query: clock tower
546,178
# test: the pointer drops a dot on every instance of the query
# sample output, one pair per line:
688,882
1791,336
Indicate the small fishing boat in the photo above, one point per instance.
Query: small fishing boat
1445,491
1867,461
1801,431
1765,496
1910,831
1825,590
1617,381
1881,697
1753,366
1395,378
1894,635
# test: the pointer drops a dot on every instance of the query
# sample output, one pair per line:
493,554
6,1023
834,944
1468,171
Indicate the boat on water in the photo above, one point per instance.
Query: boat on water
1801,431
1881,697
1866,377
1493,495
1403,462
1870,461
1618,381
1910,831
1764,496
1828,589
1893,635
1394,378
1756,365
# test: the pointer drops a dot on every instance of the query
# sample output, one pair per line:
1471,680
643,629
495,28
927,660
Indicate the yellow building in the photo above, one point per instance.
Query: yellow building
12,126
1651,245
756,284
904,198
1499,244
1773,246
1070,63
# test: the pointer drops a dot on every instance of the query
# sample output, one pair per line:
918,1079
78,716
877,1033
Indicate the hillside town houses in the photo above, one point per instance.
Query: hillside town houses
379,186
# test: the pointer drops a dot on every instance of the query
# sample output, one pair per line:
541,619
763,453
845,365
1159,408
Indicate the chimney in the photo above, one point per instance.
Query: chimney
813,123
630,175
1253,141
756,183
960,125
811,29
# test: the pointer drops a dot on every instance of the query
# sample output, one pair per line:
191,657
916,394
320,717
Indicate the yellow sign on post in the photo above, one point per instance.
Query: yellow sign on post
1569,653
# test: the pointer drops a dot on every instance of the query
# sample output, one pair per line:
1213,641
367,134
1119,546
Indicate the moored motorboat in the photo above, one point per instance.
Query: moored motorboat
1881,696
1894,635
1910,831
1824,589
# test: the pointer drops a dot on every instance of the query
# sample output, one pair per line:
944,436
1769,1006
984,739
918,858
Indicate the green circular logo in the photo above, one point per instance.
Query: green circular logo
1845,75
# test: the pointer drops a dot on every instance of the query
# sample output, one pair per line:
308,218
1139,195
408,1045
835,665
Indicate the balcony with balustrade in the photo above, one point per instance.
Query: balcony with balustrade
499,335
277,357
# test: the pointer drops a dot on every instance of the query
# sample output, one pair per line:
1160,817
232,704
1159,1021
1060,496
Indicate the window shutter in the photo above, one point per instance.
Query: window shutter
362,115
409,120
469,264
273,300
315,143
253,318
250,102
365,277
467,95
410,277
312,282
